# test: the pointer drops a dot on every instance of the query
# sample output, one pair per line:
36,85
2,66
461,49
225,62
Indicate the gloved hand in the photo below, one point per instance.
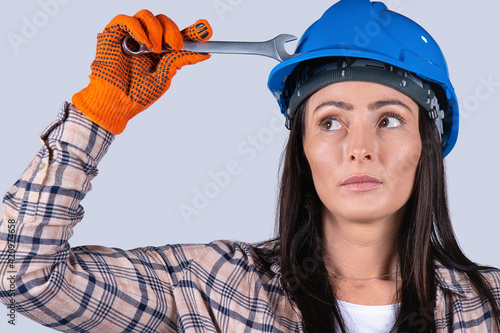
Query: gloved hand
122,86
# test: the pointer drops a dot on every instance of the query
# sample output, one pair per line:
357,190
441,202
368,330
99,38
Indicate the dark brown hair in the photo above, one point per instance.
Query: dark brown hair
426,235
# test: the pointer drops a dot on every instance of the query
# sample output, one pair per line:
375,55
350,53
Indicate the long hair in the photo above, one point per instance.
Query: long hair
426,234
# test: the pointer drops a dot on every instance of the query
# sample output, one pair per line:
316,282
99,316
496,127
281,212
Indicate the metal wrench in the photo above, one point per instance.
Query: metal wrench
274,48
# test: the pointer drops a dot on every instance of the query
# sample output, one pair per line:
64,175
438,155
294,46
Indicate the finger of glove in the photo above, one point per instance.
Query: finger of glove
153,28
131,26
173,61
171,34
198,32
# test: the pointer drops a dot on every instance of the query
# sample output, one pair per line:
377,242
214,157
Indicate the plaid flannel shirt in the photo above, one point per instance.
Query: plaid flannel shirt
218,287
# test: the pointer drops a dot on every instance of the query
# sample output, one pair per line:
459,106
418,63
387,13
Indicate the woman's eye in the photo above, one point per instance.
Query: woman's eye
390,122
331,124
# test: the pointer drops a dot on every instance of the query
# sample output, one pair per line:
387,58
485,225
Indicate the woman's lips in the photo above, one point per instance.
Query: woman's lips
361,183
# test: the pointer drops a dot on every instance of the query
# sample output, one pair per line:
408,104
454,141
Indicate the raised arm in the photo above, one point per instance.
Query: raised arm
92,288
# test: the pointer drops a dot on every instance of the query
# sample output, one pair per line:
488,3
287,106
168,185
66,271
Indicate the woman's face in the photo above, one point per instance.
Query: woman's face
363,145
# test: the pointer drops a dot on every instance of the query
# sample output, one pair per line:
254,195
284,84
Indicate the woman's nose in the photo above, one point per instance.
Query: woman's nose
360,144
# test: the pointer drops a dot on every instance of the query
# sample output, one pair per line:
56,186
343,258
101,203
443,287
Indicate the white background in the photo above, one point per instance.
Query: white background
168,152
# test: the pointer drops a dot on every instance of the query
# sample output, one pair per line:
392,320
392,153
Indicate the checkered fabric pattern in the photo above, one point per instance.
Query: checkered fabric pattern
218,287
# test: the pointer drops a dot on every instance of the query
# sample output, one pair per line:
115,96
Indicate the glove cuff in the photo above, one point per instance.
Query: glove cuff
106,106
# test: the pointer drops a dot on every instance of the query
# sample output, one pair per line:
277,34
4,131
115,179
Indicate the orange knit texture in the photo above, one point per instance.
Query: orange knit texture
122,86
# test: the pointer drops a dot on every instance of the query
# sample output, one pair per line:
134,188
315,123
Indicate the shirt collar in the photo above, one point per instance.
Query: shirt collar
452,280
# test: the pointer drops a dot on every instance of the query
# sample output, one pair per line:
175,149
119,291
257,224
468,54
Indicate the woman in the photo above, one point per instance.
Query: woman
384,234
363,217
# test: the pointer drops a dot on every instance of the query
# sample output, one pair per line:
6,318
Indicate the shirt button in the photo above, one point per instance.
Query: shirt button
41,166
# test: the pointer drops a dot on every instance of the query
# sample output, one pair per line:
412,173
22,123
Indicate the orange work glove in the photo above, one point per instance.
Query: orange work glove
122,86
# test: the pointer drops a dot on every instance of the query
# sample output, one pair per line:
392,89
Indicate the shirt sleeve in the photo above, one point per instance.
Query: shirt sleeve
81,289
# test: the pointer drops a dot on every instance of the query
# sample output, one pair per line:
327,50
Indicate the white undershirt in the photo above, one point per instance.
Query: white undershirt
368,318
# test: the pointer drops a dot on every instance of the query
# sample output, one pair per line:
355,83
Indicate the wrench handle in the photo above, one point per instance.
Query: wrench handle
257,48
271,48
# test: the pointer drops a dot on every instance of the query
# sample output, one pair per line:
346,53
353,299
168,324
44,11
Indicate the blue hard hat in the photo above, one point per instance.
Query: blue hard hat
362,29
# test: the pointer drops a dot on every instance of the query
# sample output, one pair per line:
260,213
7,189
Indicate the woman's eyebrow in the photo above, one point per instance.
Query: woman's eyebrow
338,104
380,104
373,106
